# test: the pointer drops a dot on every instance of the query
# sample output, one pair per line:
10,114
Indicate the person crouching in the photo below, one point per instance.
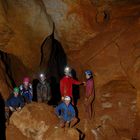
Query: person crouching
66,113
15,103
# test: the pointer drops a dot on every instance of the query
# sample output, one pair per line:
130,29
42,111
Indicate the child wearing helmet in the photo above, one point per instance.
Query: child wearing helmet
66,113
26,90
90,95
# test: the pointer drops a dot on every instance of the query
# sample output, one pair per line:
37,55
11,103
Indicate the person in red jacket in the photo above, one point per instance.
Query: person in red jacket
66,84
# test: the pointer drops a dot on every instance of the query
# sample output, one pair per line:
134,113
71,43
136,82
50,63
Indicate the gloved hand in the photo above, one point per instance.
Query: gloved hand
11,108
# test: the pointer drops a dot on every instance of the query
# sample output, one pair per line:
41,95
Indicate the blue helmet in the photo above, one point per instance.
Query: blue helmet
89,72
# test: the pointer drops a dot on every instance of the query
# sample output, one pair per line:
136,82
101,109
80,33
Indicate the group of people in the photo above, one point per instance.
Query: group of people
65,110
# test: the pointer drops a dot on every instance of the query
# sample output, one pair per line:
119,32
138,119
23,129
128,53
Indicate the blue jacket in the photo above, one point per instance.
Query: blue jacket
66,112
14,102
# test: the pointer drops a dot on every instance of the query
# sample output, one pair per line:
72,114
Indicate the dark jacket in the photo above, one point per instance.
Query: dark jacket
27,94
43,91
14,102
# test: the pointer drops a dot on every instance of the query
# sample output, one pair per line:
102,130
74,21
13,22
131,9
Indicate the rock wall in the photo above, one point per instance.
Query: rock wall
99,35
24,26
5,83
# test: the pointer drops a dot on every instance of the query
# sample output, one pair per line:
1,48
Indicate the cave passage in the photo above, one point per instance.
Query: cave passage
56,65
53,68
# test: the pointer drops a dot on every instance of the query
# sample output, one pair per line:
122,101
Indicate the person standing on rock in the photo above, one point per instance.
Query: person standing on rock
66,84
26,90
66,113
90,95
43,89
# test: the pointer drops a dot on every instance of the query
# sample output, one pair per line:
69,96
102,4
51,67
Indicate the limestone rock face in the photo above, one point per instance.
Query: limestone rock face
110,48
74,20
23,27
99,35
118,106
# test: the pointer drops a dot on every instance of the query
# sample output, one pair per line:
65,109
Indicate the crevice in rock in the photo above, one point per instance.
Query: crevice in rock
55,67
7,63
44,46
4,5
53,61
57,60
81,134
102,16
53,57
2,119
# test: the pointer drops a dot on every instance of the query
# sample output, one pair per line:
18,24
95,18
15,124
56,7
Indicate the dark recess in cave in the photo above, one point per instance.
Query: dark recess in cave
56,65
54,68
2,119
7,63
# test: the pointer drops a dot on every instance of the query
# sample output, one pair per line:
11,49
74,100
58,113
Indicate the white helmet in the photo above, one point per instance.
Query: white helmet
41,75
67,71
67,98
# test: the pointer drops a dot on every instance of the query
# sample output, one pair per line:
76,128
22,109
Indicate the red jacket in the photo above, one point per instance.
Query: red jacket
66,85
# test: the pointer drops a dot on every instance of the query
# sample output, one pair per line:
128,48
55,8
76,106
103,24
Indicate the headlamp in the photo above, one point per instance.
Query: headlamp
67,69
41,75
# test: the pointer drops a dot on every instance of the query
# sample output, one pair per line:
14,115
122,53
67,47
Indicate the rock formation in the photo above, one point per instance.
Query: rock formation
99,35
37,122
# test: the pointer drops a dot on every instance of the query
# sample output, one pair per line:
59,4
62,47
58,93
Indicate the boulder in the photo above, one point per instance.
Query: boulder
37,121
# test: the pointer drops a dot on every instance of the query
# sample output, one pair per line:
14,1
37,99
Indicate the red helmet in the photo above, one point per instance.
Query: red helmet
26,79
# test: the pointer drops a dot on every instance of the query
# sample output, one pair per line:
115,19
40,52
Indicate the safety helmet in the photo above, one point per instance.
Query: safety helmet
67,71
41,75
16,90
67,98
89,72
26,79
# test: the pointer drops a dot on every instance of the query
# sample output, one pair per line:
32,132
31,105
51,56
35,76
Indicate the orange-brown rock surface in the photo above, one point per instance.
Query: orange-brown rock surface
24,26
37,122
5,85
103,36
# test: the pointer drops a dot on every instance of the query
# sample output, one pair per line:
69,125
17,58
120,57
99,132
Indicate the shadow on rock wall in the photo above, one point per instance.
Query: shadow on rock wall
2,119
